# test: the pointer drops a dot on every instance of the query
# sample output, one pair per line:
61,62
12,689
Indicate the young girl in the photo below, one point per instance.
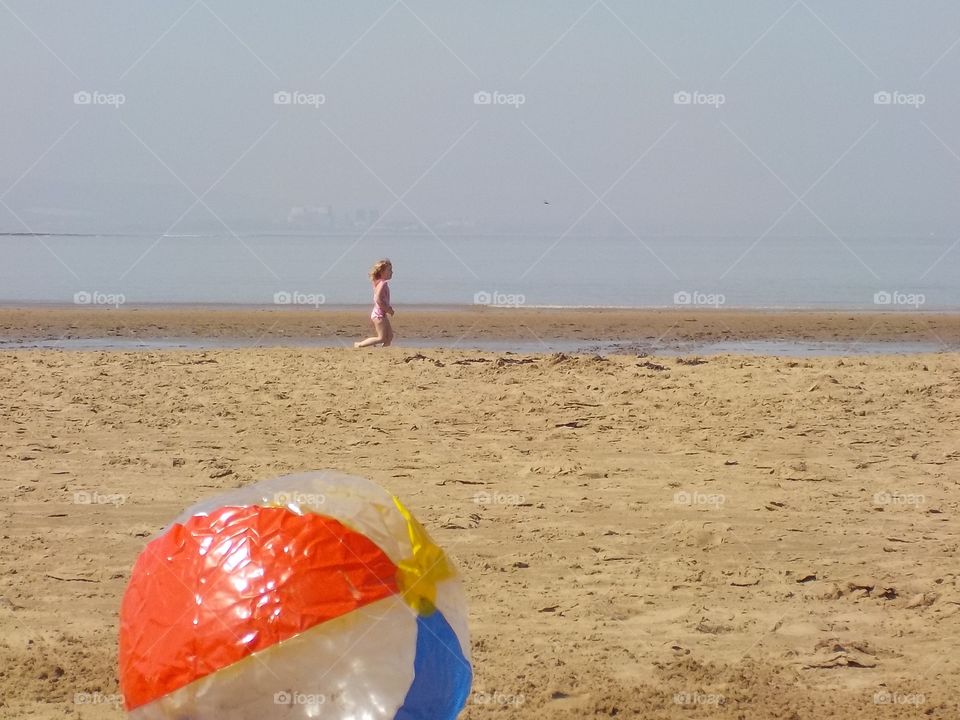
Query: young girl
382,271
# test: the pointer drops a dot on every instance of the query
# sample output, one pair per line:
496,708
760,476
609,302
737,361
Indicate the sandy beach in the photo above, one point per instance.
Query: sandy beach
673,377
740,537
580,329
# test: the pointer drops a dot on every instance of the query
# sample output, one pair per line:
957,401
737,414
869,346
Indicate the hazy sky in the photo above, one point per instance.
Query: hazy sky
799,144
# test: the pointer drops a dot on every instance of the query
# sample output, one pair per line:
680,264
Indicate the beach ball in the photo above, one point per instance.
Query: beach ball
315,595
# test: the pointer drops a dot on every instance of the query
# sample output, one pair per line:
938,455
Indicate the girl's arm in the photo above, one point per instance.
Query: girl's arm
380,294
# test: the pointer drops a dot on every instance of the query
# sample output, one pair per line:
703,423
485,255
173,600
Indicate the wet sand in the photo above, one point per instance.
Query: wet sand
639,327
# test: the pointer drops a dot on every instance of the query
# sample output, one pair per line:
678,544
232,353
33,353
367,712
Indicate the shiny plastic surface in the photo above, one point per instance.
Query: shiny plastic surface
311,595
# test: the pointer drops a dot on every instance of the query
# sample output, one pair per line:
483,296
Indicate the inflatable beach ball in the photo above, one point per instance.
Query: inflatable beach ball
307,596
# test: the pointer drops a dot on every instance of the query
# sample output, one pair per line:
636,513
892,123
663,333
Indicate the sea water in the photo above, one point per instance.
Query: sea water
508,270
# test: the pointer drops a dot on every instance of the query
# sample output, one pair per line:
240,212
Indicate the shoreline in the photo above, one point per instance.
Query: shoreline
446,324
26,305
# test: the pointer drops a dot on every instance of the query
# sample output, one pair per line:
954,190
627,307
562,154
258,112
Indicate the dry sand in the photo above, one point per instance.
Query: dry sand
640,538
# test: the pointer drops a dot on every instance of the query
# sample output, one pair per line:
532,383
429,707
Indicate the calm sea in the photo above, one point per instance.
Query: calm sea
815,272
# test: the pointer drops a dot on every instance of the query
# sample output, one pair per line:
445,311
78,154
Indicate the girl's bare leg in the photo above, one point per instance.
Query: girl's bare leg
387,329
378,325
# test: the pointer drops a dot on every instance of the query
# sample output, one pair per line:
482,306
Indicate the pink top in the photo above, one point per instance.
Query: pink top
381,300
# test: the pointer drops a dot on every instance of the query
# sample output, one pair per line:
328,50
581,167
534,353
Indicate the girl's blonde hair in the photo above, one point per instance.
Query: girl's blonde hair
378,267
